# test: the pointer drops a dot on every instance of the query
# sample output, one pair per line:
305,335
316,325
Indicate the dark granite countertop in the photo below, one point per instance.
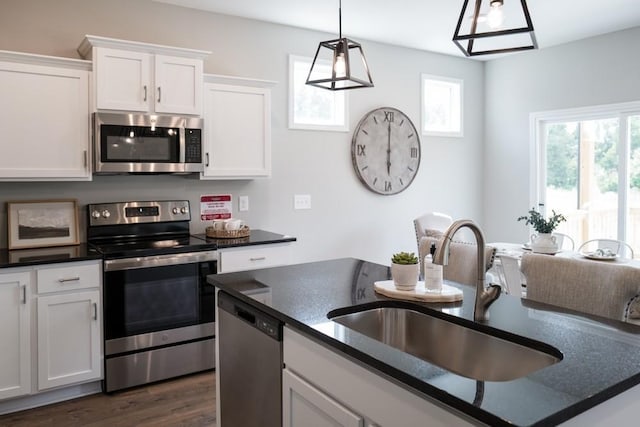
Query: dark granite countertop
256,237
601,358
39,256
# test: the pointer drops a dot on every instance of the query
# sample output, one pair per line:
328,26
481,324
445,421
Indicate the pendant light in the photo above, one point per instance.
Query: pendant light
339,64
494,26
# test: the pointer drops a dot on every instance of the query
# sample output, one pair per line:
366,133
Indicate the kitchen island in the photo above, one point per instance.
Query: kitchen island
600,366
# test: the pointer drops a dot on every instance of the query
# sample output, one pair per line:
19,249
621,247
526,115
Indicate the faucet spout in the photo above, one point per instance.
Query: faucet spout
484,296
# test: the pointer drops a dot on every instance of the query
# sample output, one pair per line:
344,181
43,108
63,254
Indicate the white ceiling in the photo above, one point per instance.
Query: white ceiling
428,24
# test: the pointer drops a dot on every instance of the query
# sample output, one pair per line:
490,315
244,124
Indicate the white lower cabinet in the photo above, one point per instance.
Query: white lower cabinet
50,327
332,390
68,338
15,334
303,405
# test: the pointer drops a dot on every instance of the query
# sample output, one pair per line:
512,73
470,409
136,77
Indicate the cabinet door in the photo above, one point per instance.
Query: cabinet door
44,122
123,80
237,132
304,405
68,339
178,85
15,333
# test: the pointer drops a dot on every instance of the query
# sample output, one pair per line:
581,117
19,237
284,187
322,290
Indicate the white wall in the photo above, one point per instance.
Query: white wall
595,71
345,219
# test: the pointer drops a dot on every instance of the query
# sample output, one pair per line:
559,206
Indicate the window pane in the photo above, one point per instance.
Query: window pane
633,221
582,177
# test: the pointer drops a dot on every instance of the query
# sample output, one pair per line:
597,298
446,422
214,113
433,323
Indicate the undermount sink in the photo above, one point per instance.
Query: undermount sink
461,349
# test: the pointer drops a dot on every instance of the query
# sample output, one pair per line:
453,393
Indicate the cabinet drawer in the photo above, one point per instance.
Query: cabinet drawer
68,277
250,258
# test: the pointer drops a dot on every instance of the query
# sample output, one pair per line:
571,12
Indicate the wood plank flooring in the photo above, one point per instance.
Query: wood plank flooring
187,401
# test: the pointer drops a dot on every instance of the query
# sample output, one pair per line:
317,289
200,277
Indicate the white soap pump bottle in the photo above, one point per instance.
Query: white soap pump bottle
432,272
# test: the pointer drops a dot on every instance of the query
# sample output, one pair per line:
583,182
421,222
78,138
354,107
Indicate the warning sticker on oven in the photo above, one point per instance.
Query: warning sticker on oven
217,206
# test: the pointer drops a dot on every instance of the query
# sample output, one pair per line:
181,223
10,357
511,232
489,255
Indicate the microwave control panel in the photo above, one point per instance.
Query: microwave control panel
193,146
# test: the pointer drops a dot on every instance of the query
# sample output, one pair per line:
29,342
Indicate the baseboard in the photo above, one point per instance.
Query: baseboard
49,397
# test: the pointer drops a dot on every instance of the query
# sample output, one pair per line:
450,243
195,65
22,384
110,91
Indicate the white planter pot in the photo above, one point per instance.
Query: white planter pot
544,243
405,276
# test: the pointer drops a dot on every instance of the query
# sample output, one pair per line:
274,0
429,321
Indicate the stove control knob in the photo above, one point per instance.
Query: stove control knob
183,210
95,214
175,211
106,214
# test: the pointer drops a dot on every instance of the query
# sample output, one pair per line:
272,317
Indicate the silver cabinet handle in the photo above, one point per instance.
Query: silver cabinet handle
207,162
159,93
145,93
86,158
95,311
259,258
24,294
70,279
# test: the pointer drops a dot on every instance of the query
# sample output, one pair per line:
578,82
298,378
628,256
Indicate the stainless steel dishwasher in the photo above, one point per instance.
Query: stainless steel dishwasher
250,365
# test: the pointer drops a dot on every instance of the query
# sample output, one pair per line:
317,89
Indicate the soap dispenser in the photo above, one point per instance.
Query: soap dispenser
432,272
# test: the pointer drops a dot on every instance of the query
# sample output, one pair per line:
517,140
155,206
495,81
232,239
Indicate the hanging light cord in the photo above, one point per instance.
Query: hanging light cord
340,18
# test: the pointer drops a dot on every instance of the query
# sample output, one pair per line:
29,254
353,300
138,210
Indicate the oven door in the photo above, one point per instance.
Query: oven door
158,300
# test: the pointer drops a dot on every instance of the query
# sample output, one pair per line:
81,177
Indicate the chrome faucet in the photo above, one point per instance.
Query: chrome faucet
484,296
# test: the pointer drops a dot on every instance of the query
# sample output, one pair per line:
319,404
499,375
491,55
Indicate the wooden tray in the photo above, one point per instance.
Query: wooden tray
448,293
244,231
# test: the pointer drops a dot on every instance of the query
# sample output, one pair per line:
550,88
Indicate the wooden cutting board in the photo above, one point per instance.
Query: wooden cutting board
448,293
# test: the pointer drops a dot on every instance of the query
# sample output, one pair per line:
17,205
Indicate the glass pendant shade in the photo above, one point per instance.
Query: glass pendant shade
339,64
494,26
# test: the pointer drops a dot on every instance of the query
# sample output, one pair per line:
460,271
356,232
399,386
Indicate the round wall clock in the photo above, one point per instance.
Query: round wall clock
385,150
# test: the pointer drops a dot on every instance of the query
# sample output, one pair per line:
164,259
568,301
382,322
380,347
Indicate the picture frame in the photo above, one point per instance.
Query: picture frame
42,223
442,106
312,108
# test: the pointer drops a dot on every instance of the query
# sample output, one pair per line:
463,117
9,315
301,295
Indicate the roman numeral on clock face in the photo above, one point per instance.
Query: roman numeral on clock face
414,152
388,116
361,148
387,186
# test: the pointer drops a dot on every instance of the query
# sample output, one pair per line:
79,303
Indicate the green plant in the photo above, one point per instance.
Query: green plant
404,258
541,225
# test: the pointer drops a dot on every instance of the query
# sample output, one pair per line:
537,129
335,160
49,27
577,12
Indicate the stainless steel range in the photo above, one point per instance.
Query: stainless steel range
158,308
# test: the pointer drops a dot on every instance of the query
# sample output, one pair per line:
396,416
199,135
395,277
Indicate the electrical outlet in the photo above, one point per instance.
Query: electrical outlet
243,203
301,201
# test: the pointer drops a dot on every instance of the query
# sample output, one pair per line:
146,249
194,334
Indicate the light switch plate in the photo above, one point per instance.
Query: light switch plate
302,201
243,203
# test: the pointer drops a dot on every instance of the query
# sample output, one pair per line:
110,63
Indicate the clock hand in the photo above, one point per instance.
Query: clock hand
389,148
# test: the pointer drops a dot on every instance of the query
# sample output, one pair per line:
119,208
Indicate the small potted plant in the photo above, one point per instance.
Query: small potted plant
405,270
543,241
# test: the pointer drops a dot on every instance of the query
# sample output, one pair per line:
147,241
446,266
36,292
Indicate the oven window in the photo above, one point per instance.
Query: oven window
139,144
151,299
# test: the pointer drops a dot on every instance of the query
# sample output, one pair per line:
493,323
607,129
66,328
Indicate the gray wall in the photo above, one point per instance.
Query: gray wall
345,219
595,71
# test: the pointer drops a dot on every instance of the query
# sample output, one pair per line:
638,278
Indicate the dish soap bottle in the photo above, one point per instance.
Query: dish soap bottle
432,272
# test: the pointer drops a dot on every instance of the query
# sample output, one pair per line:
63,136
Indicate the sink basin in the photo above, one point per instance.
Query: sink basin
461,349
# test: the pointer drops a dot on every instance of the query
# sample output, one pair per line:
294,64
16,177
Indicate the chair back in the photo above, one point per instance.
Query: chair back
582,285
462,260
431,224
616,246
564,241
510,274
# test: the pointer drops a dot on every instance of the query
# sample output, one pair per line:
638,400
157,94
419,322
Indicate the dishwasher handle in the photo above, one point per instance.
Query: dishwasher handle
251,315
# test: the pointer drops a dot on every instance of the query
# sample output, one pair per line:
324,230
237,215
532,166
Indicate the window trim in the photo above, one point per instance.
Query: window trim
537,175
308,126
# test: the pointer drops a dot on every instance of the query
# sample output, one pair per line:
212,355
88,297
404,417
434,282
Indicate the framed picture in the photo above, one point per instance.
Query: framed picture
41,223
313,108
442,107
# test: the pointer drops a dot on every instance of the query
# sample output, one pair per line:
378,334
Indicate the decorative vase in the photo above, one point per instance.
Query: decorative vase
405,276
544,243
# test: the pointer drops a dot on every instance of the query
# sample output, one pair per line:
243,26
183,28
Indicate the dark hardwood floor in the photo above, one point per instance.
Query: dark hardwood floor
187,401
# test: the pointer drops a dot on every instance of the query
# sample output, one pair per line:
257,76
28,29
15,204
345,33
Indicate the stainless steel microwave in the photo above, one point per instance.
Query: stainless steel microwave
139,143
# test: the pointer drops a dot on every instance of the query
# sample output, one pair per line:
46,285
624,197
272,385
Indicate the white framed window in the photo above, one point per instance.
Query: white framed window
442,106
311,107
585,164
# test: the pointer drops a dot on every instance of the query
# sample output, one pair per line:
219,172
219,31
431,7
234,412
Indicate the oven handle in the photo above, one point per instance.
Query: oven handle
159,260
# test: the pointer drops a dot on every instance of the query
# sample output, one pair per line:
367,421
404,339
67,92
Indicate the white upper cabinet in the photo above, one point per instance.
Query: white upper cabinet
142,77
45,118
237,128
